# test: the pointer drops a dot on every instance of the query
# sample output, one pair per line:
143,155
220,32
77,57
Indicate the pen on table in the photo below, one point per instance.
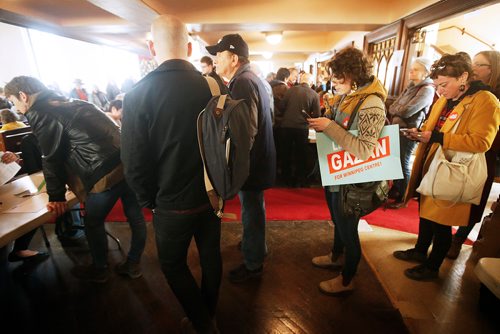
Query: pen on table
40,186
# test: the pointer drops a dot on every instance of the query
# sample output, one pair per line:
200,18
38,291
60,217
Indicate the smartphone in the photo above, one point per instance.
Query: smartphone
305,114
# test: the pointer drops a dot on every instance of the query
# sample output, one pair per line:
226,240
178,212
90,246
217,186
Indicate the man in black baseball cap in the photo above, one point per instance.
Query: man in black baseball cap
233,64
233,43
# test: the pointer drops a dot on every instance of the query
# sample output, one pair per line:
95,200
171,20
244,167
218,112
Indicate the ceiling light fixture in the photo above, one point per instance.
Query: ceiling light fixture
267,55
274,37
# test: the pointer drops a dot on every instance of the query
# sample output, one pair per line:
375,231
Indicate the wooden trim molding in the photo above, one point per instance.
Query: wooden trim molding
404,28
443,9
382,33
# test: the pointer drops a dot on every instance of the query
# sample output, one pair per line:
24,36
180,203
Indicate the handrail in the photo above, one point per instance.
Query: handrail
468,33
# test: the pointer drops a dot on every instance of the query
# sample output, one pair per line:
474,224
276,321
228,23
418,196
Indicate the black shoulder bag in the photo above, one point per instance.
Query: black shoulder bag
360,199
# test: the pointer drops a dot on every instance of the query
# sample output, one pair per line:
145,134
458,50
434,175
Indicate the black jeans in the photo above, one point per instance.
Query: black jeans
406,148
174,232
440,237
346,236
294,155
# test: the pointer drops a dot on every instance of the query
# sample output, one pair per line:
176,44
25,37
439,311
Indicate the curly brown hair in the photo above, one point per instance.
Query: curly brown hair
451,66
353,64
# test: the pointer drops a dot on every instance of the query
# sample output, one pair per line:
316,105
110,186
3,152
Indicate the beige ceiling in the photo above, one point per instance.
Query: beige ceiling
313,26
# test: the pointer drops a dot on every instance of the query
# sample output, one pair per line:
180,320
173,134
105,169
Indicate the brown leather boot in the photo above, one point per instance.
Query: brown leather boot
456,246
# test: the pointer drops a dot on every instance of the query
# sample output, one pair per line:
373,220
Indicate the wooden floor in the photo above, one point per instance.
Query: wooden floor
47,299
448,305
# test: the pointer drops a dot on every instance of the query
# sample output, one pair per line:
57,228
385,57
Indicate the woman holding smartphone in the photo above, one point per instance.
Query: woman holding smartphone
470,103
355,88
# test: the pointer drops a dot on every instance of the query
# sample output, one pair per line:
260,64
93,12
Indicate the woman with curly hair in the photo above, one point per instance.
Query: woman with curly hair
361,95
477,111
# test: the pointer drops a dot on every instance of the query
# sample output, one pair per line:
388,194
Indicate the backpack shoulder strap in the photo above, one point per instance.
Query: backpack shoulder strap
355,111
214,86
215,90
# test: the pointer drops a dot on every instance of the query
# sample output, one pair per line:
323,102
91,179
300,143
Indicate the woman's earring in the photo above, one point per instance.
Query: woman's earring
354,86
461,88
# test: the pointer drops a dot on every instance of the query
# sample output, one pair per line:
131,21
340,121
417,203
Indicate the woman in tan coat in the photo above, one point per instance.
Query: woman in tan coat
479,115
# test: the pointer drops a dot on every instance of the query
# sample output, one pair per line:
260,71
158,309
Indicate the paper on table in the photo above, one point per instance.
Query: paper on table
7,171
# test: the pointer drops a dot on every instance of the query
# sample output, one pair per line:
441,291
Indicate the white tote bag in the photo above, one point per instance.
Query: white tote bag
453,176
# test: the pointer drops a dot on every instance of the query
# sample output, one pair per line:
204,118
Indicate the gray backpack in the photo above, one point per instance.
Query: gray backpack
224,140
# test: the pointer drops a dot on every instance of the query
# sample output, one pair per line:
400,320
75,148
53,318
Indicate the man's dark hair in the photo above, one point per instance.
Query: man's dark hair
25,84
282,74
118,104
353,64
207,60
451,66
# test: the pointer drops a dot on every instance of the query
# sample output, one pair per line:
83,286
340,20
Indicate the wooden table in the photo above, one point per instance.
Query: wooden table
19,215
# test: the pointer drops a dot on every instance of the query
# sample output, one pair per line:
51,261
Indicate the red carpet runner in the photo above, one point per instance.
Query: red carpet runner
308,204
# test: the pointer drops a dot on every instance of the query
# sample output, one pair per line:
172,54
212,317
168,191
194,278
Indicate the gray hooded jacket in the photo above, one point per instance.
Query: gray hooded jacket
410,108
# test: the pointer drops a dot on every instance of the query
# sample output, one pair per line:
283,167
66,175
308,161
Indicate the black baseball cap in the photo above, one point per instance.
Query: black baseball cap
233,43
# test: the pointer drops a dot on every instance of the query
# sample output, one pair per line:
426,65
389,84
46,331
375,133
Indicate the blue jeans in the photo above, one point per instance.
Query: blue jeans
346,236
70,225
253,218
406,147
97,207
174,232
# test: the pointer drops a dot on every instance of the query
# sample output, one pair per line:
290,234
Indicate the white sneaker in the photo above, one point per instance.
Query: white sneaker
325,261
335,286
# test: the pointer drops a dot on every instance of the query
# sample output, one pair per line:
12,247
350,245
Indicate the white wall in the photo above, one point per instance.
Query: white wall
483,23
59,60
16,57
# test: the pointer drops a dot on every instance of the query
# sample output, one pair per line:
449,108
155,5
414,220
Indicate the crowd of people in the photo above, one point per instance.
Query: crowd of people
145,152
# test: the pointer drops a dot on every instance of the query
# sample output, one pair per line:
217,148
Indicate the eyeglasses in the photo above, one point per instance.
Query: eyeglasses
480,65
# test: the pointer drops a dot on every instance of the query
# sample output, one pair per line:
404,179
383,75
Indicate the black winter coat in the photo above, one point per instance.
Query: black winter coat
246,85
160,150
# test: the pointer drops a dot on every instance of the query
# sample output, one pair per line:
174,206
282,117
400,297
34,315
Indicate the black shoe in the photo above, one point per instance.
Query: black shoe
91,274
38,257
421,273
241,273
410,255
396,205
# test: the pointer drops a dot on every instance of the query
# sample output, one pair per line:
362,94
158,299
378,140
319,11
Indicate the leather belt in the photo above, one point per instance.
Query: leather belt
191,211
